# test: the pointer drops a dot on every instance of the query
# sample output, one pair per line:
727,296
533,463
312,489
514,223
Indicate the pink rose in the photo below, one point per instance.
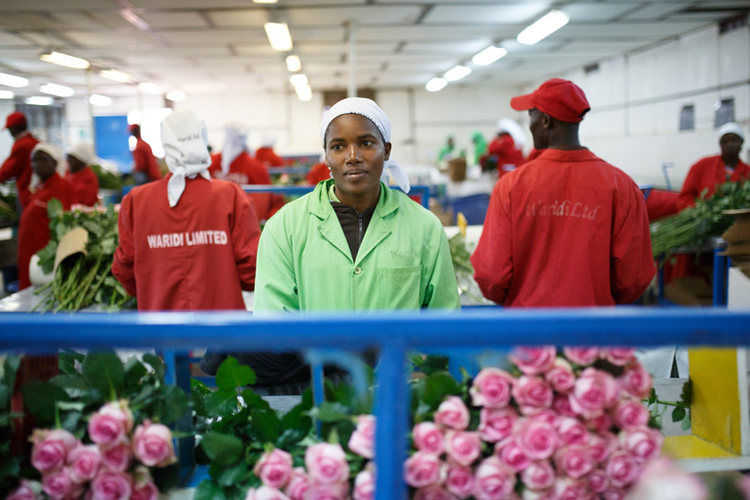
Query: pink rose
459,480
265,493
561,376
51,449
274,468
326,463
512,455
108,485
622,469
152,445
572,489
111,424
529,494
532,394
614,494
24,492
537,439
298,484
83,463
422,469
595,391
664,480
463,447
362,440
364,486
496,424
600,446
493,480
643,444
574,461
533,360
427,437
630,414
59,486
571,431
333,491
620,356
743,484
145,491
433,492
598,482
636,381
601,423
118,457
561,405
583,356
491,388
452,413
546,416
538,476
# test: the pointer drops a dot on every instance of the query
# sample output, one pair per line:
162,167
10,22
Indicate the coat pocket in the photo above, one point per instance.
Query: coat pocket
399,287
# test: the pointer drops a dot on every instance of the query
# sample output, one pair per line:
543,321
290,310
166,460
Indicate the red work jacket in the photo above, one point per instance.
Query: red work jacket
247,170
707,174
508,157
33,228
567,229
18,165
198,255
318,172
85,186
268,157
145,161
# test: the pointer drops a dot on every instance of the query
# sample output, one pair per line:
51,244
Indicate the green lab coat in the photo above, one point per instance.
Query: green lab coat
304,261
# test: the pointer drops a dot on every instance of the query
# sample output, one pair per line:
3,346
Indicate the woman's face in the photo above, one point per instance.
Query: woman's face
355,153
43,165
731,144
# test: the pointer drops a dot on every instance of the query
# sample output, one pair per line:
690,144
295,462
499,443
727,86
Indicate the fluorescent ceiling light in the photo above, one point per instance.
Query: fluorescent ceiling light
279,36
13,81
176,95
293,63
58,90
489,55
116,75
543,28
39,100
7,94
436,84
100,100
304,92
457,72
150,88
65,60
298,80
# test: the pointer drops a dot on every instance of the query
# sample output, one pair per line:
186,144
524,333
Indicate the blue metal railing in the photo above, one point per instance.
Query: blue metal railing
393,334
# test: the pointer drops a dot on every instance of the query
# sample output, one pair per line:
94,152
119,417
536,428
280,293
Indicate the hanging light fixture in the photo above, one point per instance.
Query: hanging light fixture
456,73
489,55
66,60
116,75
543,28
293,63
13,81
436,84
176,95
279,36
7,94
100,100
57,90
39,100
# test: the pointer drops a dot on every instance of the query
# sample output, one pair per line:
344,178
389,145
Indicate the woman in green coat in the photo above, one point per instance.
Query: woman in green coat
352,244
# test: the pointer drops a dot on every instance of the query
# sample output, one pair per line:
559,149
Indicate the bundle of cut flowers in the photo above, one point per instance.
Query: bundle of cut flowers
103,433
567,426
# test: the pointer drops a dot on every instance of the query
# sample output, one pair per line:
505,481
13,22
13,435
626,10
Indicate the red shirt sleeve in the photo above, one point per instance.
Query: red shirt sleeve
692,186
122,267
245,237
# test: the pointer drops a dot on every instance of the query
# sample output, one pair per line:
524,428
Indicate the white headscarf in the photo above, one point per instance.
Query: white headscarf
731,128
185,142
369,109
514,129
235,142
83,151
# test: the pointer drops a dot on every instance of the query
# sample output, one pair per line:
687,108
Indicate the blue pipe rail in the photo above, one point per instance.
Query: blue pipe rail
394,334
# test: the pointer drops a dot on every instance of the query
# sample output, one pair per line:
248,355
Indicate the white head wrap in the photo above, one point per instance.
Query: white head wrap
235,142
55,152
185,142
267,140
731,128
514,129
369,109
83,151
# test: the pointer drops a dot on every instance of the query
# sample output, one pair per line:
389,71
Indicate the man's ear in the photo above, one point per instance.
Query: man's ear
546,121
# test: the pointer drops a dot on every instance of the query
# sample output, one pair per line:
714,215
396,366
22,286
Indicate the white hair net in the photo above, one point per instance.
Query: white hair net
731,128
83,151
235,142
185,142
514,129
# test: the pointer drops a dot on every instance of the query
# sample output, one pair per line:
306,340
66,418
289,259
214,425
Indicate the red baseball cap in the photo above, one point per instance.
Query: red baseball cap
15,119
561,99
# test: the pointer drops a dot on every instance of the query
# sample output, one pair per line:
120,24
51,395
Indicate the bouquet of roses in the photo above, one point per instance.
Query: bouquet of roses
104,434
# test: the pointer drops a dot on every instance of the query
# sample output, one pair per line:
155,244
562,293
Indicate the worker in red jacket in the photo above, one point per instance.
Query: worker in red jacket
506,149
235,164
716,170
80,176
187,242
18,164
145,166
33,227
265,153
567,229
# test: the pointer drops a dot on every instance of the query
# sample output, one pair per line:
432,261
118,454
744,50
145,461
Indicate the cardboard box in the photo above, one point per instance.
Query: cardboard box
457,169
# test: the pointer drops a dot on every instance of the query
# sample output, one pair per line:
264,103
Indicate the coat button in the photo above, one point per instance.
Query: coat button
358,270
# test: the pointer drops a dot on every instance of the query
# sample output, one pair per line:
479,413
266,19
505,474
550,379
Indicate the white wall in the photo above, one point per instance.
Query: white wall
635,99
